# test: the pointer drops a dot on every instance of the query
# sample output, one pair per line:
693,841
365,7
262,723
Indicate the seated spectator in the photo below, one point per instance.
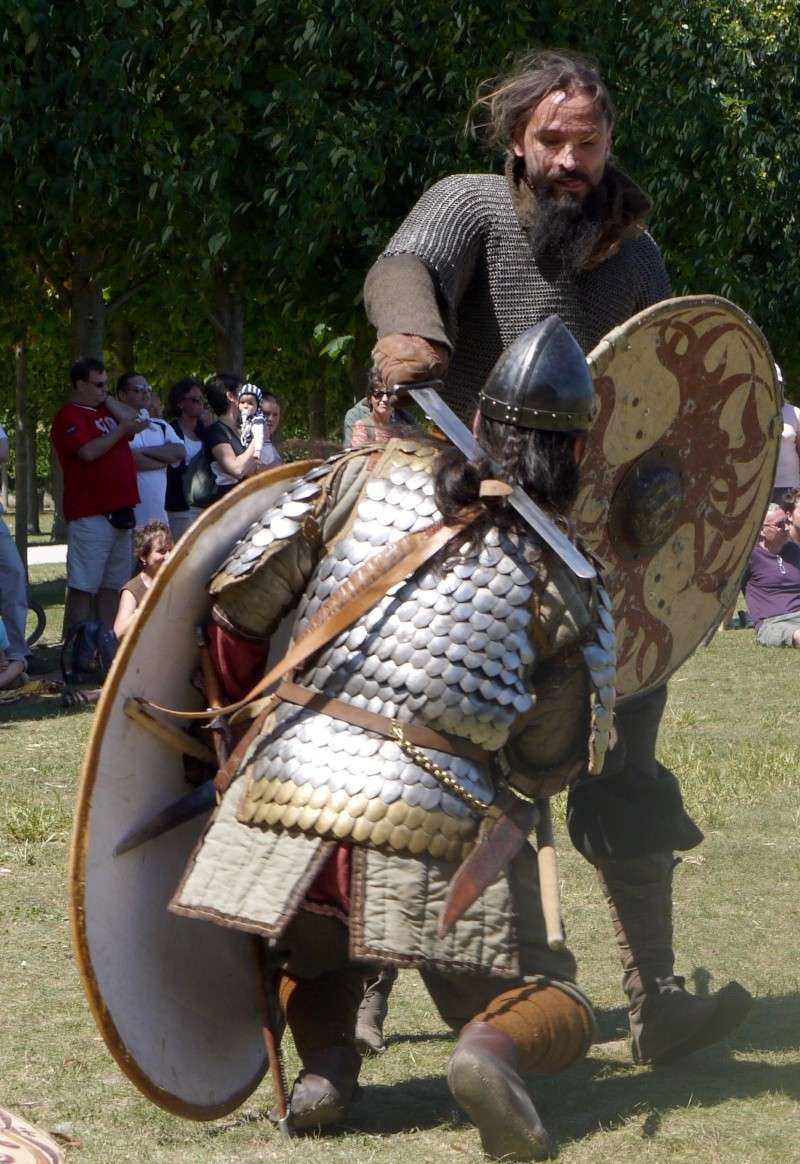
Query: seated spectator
771,583
271,409
152,544
363,411
10,669
13,588
384,420
230,461
154,448
185,405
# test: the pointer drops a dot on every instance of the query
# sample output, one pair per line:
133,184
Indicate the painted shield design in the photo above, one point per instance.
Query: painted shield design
677,475
176,1000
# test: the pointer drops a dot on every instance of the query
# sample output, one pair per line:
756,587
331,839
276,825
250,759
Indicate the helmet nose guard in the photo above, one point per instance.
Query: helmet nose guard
541,381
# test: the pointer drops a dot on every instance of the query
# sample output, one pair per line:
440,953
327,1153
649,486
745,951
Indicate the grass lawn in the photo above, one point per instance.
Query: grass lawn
731,734
45,527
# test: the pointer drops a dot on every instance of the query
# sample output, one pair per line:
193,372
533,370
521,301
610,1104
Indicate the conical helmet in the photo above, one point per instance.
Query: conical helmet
542,380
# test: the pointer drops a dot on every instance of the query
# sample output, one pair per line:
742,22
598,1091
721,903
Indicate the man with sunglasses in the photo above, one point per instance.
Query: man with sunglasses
91,434
772,583
154,448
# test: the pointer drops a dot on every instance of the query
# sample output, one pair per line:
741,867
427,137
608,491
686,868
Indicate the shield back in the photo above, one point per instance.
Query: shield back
677,475
177,1001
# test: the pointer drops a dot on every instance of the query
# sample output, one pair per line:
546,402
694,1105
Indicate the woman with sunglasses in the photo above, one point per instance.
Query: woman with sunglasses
382,423
185,405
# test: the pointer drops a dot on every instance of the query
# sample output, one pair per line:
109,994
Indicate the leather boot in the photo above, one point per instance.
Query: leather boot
323,1090
483,1079
666,1021
373,1010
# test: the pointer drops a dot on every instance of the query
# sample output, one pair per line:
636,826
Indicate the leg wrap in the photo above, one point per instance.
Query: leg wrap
549,1028
639,897
321,1012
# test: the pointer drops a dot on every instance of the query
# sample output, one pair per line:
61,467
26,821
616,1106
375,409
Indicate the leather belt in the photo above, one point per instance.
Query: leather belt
422,737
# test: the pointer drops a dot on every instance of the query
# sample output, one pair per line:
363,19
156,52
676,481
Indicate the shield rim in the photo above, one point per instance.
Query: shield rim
599,359
87,782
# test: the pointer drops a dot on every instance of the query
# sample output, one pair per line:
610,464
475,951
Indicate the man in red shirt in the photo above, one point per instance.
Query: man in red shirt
91,434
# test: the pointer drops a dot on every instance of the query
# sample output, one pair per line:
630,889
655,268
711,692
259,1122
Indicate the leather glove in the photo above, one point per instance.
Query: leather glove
399,359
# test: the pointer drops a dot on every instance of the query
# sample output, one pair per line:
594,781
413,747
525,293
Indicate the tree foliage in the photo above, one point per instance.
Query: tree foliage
260,152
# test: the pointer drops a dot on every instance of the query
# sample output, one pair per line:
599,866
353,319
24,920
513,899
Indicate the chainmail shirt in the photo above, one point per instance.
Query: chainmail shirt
466,231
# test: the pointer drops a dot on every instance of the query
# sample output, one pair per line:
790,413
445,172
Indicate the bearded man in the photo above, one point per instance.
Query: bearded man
480,258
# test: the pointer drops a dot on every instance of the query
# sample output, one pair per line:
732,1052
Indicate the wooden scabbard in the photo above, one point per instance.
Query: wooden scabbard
549,882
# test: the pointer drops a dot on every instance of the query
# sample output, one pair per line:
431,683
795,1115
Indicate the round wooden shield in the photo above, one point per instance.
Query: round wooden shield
677,475
176,1000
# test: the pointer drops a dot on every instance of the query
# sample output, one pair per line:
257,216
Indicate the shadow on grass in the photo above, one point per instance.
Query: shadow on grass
597,1095
37,707
606,1101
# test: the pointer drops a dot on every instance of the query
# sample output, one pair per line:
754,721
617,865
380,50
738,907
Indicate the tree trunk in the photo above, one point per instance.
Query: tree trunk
123,338
59,534
88,309
228,320
22,452
317,418
33,482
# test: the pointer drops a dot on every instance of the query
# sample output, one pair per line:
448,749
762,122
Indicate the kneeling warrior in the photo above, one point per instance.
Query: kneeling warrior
476,684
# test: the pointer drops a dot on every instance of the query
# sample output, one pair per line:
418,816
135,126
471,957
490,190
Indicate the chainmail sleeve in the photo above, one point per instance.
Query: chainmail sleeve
446,230
653,280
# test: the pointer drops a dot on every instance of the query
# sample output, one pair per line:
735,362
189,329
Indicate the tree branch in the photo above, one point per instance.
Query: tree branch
216,322
124,296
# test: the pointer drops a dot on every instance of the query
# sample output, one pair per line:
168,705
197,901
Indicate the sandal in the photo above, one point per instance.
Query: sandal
74,697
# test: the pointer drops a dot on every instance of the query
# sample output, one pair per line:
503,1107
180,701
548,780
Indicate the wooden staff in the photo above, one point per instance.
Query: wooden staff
169,735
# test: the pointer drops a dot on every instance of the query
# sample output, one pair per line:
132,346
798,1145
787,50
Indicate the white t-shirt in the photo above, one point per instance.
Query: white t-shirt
269,454
153,483
787,474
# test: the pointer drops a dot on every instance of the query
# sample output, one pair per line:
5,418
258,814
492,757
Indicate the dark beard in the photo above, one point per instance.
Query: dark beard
566,230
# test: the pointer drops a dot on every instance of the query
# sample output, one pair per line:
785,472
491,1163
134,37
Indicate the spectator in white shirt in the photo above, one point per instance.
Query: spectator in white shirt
153,450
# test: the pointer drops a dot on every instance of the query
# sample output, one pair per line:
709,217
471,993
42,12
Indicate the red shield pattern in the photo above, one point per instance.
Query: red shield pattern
678,474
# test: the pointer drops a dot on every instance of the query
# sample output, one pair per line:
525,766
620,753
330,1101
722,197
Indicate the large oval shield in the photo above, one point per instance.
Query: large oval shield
177,1001
678,473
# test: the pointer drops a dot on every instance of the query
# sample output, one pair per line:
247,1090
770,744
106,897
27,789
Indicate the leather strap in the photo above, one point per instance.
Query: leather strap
225,775
422,737
343,608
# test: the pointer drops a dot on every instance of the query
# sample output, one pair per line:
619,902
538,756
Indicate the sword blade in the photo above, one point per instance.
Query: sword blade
495,849
195,803
436,410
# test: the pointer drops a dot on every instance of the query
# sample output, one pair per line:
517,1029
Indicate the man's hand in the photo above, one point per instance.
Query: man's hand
400,359
130,428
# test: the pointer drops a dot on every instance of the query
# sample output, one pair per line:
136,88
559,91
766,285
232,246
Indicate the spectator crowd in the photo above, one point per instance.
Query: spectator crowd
136,470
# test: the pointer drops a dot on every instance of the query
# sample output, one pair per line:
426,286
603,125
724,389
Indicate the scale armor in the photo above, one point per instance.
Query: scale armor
450,648
467,233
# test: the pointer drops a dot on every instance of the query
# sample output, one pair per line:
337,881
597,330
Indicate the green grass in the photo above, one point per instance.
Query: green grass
45,527
730,732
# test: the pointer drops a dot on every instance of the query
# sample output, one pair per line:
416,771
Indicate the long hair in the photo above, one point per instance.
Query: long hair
177,392
539,461
509,101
